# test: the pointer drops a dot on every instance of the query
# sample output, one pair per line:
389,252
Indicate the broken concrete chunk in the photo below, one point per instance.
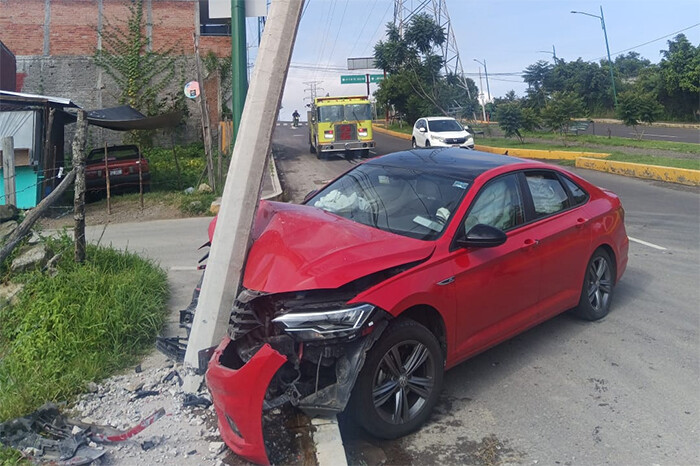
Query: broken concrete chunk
36,256
216,447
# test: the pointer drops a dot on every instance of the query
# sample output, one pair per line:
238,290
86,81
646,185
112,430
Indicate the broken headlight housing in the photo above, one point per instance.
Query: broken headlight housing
340,323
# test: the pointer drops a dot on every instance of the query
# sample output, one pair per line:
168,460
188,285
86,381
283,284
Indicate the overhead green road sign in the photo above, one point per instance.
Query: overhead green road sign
375,78
352,79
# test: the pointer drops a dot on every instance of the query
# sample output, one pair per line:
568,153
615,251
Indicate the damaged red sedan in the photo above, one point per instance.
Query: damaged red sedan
401,268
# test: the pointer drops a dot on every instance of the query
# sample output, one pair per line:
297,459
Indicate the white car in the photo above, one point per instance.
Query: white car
441,132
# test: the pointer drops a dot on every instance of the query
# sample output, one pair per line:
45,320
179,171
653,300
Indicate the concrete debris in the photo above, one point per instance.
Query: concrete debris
36,256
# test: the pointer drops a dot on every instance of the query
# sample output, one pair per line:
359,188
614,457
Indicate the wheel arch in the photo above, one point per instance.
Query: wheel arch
613,258
430,318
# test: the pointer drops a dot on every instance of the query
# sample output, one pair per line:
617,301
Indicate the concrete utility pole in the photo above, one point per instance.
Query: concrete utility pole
242,190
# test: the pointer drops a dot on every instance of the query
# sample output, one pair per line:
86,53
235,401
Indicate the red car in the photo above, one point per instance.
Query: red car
403,267
123,167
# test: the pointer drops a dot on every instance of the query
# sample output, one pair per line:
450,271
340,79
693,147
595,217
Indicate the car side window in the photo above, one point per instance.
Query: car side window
420,124
548,194
498,204
578,195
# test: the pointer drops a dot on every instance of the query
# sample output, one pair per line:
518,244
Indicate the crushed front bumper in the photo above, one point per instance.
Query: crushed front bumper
238,396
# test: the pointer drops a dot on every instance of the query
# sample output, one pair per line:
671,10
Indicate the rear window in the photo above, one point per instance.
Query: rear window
114,153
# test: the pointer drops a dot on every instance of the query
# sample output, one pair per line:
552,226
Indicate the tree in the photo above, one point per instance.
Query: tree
140,74
680,78
560,109
634,108
510,119
415,86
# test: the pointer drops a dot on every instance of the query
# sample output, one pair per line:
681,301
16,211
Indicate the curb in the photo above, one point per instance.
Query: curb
396,134
683,176
541,154
276,185
328,442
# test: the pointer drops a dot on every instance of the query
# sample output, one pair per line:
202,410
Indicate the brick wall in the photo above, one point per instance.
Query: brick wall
67,69
72,27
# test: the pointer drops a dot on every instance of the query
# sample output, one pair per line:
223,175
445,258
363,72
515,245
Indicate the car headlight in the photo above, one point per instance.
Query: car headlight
327,324
439,138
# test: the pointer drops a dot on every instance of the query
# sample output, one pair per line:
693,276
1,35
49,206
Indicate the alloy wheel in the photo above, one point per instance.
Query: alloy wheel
599,283
403,382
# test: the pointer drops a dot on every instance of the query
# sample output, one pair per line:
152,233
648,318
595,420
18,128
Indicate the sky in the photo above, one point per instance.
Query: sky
508,35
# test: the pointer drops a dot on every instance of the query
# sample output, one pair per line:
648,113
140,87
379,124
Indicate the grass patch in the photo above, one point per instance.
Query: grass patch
692,164
584,139
81,325
662,161
164,174
11,457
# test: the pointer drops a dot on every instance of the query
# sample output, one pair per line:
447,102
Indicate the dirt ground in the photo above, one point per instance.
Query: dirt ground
123,210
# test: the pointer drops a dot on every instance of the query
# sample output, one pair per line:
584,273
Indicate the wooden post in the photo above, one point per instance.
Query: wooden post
177,163
8,170
49,160
206,128
79,198
107,181
140,180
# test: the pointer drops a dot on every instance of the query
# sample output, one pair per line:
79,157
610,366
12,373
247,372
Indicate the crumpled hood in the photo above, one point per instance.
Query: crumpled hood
299,247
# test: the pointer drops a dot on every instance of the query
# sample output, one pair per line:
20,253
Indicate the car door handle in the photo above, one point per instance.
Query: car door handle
530,243
446,281
581,222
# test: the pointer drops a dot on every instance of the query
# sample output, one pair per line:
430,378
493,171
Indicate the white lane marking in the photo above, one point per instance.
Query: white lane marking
657,135
183,268
651,245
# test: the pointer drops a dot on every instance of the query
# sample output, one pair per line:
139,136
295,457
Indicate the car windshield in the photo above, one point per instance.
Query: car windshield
330,113
358,112
411,203
439,126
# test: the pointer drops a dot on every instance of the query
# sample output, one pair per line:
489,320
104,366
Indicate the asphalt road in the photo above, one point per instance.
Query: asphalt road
623,390
659,133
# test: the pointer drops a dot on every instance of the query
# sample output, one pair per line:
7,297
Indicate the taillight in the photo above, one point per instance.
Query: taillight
362,132
328,134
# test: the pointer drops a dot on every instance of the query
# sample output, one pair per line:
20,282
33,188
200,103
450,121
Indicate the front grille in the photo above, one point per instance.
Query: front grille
455,140
346,132
242,321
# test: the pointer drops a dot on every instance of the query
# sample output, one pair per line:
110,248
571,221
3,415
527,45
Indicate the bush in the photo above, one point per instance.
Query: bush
164,175
81,325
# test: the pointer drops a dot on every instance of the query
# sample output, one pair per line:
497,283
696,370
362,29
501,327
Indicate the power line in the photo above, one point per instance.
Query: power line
652,41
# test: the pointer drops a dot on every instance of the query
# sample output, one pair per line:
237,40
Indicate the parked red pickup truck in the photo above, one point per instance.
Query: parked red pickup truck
123,167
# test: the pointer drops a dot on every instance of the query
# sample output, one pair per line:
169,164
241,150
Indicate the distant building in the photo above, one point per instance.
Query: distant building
54,41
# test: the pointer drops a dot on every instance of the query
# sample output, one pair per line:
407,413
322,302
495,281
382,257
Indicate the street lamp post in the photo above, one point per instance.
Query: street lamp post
488,90
607,47
553,52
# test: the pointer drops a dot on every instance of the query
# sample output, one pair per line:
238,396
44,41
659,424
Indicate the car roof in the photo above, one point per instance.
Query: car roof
453,162
437,118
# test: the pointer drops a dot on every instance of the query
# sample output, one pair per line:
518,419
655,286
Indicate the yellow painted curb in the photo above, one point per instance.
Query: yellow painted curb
541,154
650,172
379,129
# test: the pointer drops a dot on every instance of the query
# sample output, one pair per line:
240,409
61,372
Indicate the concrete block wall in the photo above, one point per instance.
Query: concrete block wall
54,41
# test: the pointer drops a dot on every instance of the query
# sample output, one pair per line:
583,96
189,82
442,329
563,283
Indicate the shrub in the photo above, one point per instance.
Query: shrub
80,325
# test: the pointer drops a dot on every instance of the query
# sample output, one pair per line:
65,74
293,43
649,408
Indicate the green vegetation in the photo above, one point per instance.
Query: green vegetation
11,457
82,324
415,87
664,161
164,166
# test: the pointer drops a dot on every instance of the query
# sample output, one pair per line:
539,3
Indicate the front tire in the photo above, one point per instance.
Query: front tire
413,143
400,382
427,143
598,285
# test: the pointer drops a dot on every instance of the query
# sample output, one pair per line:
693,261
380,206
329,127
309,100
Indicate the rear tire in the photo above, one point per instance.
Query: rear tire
598,285
400,381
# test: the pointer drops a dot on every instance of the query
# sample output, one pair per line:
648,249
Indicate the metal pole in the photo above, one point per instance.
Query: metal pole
488,89
607,47
239,62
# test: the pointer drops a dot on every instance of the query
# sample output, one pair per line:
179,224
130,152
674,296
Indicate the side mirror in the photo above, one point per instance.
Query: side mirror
482,236
310,194
422,130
